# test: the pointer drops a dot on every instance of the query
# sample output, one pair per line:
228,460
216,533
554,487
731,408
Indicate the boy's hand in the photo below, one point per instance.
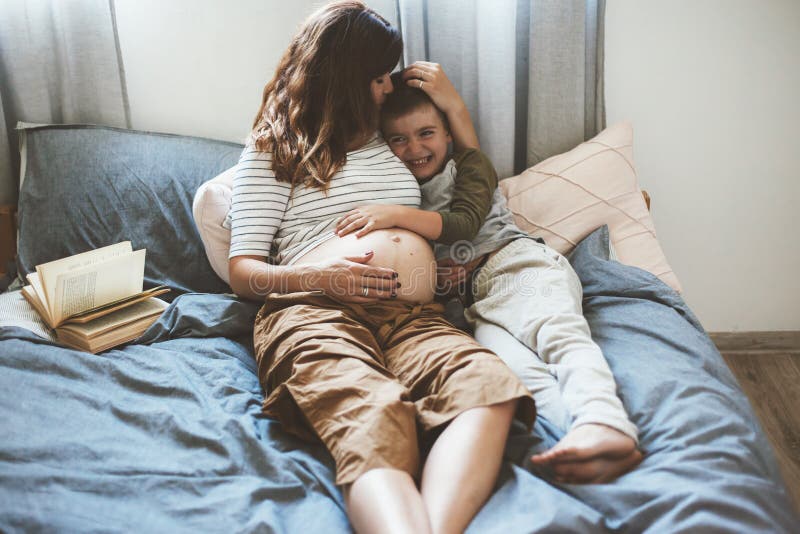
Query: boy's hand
367,218
451,276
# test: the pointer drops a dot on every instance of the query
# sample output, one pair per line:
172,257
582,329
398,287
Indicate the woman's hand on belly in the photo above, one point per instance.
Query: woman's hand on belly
396,249
348,278
352,279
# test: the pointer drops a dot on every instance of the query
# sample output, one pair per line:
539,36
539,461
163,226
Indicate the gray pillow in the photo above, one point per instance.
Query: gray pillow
85,187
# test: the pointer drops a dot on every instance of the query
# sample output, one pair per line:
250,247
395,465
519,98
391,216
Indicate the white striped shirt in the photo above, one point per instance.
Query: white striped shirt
264,221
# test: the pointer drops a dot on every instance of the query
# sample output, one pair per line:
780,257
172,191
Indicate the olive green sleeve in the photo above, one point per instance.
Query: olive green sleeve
474,188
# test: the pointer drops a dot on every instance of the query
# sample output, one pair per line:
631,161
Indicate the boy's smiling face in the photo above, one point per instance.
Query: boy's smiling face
419,139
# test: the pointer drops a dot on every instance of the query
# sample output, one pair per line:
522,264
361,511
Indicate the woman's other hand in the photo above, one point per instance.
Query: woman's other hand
366,219
430,77
350,279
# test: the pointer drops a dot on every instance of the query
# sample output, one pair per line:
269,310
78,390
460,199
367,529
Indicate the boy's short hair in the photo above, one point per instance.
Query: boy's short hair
405,99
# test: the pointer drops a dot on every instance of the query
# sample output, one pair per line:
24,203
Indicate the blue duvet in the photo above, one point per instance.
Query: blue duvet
166,435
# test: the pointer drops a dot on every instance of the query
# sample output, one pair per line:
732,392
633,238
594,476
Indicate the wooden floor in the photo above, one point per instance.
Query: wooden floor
771,380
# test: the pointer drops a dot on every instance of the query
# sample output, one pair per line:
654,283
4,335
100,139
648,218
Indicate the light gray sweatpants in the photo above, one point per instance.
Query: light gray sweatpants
528,311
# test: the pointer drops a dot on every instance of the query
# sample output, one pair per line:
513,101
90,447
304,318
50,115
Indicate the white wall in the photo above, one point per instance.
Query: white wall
198,67
711,87
713,91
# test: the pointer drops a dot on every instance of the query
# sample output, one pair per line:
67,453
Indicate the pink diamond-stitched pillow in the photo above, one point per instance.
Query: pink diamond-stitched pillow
565,197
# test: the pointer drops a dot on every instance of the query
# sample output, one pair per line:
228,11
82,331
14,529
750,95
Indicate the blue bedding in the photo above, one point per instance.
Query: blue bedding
165,435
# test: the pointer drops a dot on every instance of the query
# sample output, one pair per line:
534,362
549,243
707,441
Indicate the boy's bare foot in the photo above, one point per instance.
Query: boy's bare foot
588,442
590,453
595,471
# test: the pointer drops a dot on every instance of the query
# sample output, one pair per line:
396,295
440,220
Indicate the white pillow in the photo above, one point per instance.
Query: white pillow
210,208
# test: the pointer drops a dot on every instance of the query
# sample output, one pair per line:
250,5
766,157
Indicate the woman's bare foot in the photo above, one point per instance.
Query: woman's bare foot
590,453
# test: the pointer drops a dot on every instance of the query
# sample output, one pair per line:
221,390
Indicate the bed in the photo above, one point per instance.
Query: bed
165,434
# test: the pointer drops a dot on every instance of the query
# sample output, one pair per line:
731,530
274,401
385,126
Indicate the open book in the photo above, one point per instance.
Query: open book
94,300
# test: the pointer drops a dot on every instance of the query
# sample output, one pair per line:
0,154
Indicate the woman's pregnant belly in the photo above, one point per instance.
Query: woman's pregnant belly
402,250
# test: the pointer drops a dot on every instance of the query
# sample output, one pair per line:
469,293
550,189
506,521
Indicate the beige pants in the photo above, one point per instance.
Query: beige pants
527,309
373,382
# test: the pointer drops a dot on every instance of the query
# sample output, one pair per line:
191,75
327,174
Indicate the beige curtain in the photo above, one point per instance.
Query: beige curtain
531,72
8,190
59,63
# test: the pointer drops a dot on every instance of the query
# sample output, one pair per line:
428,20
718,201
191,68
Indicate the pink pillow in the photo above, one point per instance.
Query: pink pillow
564,198
210,207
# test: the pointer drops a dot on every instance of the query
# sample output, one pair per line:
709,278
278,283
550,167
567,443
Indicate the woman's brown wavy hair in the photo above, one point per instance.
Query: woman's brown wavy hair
319,99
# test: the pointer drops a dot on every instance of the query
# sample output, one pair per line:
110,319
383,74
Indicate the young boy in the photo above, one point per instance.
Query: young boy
519,284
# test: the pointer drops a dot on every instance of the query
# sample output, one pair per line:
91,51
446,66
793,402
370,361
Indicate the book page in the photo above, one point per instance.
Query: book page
97,284
119,318
99,311
37,291
30,295
106,340
49,272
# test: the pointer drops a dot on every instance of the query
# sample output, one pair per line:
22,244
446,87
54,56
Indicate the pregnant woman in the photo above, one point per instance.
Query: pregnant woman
351,349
